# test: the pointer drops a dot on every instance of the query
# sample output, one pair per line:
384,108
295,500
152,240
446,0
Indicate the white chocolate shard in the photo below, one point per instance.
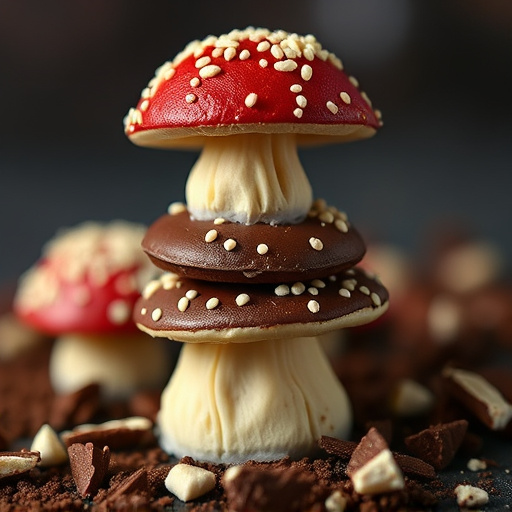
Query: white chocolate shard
189,482
380,474
410,398
336,502
290,398
50,447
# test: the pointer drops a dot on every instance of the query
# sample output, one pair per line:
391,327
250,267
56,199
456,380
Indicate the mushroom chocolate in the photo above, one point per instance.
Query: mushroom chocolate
256,270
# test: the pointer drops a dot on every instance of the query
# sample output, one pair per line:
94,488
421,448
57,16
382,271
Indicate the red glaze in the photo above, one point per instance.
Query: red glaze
81,306
220,100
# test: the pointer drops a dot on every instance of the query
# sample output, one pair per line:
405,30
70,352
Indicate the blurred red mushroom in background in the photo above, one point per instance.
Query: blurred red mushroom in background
82,291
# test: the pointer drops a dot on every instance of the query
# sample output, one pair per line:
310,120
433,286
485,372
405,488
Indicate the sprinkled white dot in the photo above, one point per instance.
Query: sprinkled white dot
217,52
191,294
282,290
298,288
298,112
316,243
276,51
296,88
345,97
312,290
209,71
245,54
175,208
285,65
251,99
219,220
263,46
183,304
151,288
169,73
156,314
341,225
313,306
229,244
376,299
118,312
344,292
242,299
326,216
202,62
366,98
211,235
263,63
349,284
332,278
262,249
332,107
318,283
144,105
301,101
353,80
143,311
212,303
195,82
190,98
306,72
229,53
364,289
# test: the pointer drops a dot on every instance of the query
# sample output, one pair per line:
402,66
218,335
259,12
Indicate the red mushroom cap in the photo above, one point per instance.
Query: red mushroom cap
251,81
86,282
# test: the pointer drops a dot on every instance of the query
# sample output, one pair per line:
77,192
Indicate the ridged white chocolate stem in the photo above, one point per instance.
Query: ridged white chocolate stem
249,178
263,400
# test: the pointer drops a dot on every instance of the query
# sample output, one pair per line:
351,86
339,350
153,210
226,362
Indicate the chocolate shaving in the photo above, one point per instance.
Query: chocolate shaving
338,447
438,444
89,466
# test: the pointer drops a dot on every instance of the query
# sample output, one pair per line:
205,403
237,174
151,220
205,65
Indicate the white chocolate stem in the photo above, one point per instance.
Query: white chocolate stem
249,178
261,400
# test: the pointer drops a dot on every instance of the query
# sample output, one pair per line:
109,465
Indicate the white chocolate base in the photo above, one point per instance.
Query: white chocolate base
121,364
263,400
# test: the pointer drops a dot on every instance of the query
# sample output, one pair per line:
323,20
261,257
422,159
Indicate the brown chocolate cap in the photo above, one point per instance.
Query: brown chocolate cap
323,244
200,311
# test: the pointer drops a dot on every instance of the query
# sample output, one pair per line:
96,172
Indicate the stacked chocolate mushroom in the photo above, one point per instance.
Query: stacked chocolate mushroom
256,270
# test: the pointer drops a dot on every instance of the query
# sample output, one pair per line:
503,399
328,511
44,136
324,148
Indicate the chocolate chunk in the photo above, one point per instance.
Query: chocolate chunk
89,466
136,483
116,434
438,444
370,446
479,396
253,488
75,408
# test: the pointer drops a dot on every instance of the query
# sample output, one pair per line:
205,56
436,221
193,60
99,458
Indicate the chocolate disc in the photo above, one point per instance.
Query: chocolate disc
322,245
199,311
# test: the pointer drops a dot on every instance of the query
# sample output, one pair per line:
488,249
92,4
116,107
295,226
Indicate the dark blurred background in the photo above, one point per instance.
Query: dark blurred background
440,71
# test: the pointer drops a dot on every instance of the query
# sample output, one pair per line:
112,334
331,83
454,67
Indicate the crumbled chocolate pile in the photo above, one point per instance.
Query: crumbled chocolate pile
434,419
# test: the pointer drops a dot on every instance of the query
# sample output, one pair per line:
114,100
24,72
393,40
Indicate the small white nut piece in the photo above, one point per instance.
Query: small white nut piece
410,398
229,244
336,502
242,299
189,482
316,243
50,447
476,465
380,474
211,236
469,496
